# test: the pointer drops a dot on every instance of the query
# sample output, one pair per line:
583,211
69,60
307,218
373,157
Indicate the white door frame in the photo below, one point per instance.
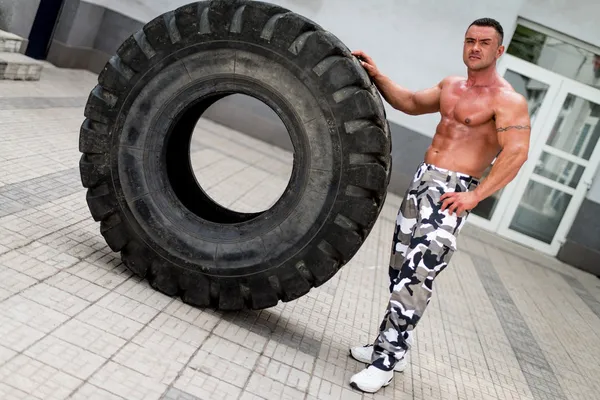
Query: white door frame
559,87
578,193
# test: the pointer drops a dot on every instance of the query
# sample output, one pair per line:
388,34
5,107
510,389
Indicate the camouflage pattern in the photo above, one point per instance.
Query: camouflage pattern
424,241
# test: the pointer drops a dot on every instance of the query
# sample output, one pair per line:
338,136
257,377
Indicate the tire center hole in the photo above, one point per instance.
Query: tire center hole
241,158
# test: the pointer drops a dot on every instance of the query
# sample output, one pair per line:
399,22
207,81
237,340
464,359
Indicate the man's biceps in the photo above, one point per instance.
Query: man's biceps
513,114
518,126
512,143
512,121
425,94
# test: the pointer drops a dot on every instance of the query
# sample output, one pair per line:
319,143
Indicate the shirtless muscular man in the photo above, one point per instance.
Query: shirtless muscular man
482,118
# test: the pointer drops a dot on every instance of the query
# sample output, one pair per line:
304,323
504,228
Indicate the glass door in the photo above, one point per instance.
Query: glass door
562,163
540,87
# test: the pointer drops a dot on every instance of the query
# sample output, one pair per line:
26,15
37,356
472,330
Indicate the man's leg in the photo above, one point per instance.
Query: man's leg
406,220
408,301
430,248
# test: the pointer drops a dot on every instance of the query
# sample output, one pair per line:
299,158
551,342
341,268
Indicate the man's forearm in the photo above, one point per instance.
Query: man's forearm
397,96
504,170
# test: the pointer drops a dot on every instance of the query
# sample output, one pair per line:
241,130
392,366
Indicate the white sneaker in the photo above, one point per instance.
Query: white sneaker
371,379
363,354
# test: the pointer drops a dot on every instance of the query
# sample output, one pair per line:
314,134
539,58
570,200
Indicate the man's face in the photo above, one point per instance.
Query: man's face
481,47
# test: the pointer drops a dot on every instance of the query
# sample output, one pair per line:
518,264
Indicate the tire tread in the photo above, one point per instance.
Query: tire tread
144,44
171,24
123,69
327,63
237,22
269,28
203,10
299,43
346,93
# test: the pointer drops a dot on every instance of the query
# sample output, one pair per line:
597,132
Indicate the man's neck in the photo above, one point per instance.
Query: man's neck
485,77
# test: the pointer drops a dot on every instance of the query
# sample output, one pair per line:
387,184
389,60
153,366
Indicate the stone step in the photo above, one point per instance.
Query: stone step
11,43
17,66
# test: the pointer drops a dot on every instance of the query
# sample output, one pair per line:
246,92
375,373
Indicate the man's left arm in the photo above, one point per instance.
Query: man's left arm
513,127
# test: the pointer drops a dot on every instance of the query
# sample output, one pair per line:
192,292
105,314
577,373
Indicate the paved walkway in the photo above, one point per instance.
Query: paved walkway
505,322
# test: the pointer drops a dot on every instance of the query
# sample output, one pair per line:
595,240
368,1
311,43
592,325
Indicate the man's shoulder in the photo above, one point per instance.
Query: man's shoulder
509,97
508,103
452,79
506,94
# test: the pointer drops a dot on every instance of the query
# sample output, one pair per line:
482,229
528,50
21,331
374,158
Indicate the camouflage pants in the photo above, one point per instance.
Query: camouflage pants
424,241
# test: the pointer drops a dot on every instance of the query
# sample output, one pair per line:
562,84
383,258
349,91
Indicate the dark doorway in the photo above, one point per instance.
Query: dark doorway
43,28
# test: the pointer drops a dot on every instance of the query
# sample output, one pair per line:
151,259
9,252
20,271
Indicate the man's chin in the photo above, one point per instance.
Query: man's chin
476,66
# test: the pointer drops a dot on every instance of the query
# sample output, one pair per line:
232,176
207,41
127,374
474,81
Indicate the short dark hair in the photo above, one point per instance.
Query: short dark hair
491,23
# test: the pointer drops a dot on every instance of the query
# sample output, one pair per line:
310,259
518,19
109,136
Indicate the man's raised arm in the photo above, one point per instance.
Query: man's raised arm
513,127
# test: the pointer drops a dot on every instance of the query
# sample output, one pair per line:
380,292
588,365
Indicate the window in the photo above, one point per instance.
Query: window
556,53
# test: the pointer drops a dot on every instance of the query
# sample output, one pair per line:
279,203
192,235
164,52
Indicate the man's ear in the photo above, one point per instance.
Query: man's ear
501,50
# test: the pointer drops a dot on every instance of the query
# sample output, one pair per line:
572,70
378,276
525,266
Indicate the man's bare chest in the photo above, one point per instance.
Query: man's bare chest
468,107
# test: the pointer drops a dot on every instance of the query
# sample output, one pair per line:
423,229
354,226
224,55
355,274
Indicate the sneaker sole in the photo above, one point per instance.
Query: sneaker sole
355,386
396,368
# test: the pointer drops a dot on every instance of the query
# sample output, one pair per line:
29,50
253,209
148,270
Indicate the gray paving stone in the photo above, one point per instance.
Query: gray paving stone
589,299
176,394
65,357
37,191
37,378
89,337
538,372
126,382
204,386
17,66
31,103
91,392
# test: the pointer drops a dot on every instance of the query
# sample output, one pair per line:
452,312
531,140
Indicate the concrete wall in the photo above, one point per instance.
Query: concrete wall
582,245
594,192
17,16
87,35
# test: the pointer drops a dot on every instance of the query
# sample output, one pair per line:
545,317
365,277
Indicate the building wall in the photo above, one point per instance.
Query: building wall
582,245
17,16
87,35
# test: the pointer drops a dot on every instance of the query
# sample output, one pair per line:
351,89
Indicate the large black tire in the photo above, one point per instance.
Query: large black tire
136,164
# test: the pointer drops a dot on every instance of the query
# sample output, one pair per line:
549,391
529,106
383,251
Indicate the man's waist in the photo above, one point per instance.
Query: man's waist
449,173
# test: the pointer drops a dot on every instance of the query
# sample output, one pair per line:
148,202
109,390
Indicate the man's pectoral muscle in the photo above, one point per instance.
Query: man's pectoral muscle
513,130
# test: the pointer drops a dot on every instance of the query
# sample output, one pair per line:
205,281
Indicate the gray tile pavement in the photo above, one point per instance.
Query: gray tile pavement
30,103
505,322
532,361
